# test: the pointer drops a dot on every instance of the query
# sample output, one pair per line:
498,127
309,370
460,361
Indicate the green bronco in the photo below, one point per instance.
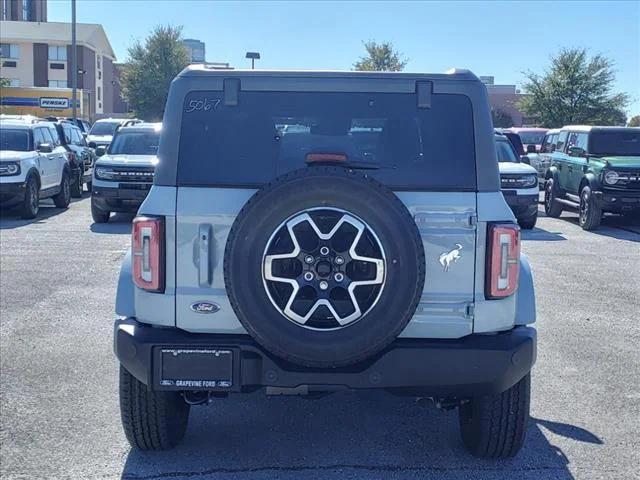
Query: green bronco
596,170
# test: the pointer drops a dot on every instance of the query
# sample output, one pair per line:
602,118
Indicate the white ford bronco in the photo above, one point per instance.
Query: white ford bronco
33,166
309,232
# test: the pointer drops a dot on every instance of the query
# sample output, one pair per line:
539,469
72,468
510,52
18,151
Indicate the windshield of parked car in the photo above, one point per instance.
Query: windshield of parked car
14,139
617,142
104,128
270,133
505,152
531,138
135,143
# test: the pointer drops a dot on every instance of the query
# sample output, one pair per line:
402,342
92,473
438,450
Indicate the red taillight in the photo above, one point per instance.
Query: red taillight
147,249
503,263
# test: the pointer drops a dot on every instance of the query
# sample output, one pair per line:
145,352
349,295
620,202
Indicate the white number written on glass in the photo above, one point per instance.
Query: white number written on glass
202,105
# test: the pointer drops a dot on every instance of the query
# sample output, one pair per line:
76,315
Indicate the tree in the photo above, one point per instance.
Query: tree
381,57
576,89
501,119
151,68
634,122
5,82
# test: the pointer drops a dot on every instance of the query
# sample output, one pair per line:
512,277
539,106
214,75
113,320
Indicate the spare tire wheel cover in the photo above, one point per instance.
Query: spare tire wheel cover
324,266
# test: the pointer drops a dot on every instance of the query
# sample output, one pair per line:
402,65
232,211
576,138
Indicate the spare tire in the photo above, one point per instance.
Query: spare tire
324,266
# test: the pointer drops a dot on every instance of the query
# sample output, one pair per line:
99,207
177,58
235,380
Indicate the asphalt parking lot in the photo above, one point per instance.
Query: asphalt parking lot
59,409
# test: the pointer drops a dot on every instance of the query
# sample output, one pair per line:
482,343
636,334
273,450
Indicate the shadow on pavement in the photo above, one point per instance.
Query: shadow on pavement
120,223
10,217
569,431
359,435
541,234
615,226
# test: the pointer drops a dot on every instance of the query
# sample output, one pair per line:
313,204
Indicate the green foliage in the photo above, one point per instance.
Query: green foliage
151,68
634,122
381,57
576,89
5,82
501,119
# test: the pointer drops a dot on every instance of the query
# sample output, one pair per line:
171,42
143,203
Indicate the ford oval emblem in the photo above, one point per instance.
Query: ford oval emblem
205,307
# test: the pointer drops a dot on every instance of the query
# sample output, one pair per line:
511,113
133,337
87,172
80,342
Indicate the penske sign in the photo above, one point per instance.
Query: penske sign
56,103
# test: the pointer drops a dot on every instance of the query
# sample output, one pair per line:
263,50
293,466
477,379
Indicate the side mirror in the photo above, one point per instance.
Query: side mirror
45,148
93,145
576,152
101,150
525,159
531,149
84,134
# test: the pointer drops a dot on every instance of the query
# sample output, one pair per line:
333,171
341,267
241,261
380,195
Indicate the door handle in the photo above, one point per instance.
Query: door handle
204,255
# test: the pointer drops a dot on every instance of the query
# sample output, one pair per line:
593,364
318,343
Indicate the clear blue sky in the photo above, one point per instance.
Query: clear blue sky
502,39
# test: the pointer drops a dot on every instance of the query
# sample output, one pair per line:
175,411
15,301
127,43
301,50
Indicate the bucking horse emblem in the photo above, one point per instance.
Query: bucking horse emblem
447,258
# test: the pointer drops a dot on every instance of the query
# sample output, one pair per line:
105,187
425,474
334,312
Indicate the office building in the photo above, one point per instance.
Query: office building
38,54
505,98
196,50
24,10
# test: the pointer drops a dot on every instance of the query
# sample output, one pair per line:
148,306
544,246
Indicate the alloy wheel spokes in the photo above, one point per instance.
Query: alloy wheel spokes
320,275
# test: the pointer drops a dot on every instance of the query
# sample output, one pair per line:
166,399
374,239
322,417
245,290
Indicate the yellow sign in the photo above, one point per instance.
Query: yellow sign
39,102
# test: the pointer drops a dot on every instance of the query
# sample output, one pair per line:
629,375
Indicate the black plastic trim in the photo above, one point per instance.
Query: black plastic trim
469,366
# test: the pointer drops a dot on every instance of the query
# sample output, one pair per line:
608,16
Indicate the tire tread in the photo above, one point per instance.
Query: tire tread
494,426
151,420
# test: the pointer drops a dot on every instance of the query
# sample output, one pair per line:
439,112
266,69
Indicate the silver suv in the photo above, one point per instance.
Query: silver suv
314,231
123,173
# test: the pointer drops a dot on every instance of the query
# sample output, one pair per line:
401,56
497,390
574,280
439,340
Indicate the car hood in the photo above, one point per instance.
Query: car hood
619,161
516,168
134,160
14,155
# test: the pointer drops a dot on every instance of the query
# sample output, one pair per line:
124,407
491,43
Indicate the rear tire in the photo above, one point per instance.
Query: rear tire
62,198
76,187
99,216
551,207
494,426
151,420
590,214
30,205
529,222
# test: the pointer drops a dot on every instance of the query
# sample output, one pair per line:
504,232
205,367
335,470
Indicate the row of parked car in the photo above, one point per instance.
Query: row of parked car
594,170
56,157
589,169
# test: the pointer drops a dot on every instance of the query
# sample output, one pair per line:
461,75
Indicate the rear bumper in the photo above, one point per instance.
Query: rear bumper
119,199
12,194
473,365
618,202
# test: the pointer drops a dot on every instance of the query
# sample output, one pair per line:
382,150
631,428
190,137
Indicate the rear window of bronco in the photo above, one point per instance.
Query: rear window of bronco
270,133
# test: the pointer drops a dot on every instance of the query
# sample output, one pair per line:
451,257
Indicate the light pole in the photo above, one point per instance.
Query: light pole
74,64
253,56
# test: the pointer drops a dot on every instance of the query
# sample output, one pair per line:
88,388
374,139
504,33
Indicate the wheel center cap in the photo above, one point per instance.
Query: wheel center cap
323,268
